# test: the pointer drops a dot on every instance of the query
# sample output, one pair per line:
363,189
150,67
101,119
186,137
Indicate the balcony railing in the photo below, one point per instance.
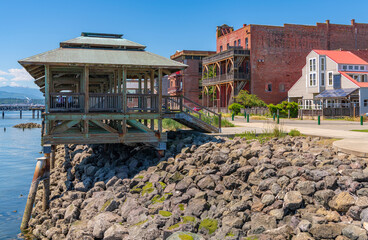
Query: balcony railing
226,78
103,102
233,51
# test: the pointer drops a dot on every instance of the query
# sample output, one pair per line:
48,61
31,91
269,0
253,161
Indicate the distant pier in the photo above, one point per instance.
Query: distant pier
22,107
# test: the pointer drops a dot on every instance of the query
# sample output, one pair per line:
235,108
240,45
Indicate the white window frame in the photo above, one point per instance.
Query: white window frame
312,66
328,78
323,59
312,79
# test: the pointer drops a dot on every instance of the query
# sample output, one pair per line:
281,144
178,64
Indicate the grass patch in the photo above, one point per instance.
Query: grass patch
294,133
267,134
209,224
184,236
258,117
165,213
148,188
360,130
327,141
170,124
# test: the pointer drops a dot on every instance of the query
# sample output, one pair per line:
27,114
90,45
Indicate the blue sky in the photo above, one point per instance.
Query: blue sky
31,27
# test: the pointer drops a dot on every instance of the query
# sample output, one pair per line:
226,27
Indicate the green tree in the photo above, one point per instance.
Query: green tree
249,100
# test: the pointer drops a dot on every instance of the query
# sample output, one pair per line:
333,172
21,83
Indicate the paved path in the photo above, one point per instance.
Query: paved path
352,142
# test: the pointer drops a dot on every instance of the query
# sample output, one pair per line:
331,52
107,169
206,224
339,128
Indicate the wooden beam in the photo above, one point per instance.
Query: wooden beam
47,87
138,125
86,89
104,126
160,99
64,126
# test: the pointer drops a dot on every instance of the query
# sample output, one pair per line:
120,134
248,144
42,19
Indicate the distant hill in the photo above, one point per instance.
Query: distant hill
20,93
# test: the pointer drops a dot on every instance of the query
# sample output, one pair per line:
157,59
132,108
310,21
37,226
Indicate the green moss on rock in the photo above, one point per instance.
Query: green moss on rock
158,199
139,177
163,185
141,222
172,227
136,190
181,207
165,213
148,188
209,224
230,234
107,203
188,219
184,236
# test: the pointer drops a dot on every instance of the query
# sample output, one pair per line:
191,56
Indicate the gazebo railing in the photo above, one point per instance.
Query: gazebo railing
66,102
142,102
105,102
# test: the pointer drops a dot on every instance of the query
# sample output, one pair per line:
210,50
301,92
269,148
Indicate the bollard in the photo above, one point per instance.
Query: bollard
361,120
274,116
248,117
232,116
278,119
245,114
319,120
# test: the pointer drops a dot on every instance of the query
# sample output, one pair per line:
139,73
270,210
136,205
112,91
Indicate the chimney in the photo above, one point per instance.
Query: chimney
327,22
352,22
244,25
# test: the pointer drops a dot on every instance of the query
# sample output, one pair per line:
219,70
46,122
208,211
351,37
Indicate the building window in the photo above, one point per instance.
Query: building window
246,43
356,67
269,87
322,79
330,78
239,42
220,48
312,64
312,79
235,43
364,78
361,67
323,64
344,67
350,67
365,102
282,87
227,46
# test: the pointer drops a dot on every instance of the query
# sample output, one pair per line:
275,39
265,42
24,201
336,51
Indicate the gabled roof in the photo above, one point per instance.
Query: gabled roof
360,84
101,42
342,57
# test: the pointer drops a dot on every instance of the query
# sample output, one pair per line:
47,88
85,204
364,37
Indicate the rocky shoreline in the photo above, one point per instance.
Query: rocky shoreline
28,125
206,188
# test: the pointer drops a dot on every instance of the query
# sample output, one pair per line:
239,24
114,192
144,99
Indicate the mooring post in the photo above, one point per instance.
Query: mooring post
33,113
42,171
20,114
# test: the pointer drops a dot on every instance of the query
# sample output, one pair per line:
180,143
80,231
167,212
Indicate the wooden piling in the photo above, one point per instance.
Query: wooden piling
52,161
33,113
20,114
3,114
38,113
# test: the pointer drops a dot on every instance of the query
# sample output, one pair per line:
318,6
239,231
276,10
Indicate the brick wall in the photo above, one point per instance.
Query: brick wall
278,53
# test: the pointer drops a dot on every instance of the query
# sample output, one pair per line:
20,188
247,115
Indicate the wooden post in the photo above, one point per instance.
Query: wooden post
20,114
145,98
52,161
47,88
124,98
160,100
33,113
86,97
152,86
3,114
46,184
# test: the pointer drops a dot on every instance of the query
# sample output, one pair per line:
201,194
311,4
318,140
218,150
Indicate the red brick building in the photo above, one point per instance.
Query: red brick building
188,81
273,56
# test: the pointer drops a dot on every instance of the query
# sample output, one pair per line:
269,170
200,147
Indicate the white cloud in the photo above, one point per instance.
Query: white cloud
14,84
3,79
16,74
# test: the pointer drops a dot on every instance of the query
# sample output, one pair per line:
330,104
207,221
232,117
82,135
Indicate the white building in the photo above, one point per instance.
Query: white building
333,79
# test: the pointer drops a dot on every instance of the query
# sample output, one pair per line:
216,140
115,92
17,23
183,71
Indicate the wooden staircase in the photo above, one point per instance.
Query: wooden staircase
204,120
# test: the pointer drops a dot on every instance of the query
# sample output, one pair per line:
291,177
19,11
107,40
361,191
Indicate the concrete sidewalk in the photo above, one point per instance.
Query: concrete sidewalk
351,142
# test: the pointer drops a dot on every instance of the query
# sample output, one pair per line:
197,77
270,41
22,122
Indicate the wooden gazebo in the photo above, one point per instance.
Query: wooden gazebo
85,87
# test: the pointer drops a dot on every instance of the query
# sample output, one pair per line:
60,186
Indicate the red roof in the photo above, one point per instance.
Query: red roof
338,56
360,84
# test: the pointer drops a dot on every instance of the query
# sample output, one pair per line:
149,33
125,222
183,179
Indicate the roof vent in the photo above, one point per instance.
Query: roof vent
101,35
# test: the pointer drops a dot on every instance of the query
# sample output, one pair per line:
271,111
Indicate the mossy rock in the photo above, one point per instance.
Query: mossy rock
230,234
139,177
163,185
251,238
141,222
185,236
176,177
209,224
136,190
188,219
181,207
165,213
158,199
172,227
107,203
148,188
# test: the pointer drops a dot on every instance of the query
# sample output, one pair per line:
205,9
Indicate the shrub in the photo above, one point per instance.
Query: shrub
283,109
235,108
294,133
249,100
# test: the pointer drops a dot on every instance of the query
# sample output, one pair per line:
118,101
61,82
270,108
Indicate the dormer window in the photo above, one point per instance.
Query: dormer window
356,67
350,67
362,68
344,67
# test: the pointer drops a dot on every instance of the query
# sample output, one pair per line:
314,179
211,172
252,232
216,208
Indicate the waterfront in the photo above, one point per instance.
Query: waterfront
18,150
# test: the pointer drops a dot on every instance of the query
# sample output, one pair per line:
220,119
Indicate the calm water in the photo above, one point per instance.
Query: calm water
18,152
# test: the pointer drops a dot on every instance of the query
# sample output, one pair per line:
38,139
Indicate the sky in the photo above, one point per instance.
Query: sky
29,27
